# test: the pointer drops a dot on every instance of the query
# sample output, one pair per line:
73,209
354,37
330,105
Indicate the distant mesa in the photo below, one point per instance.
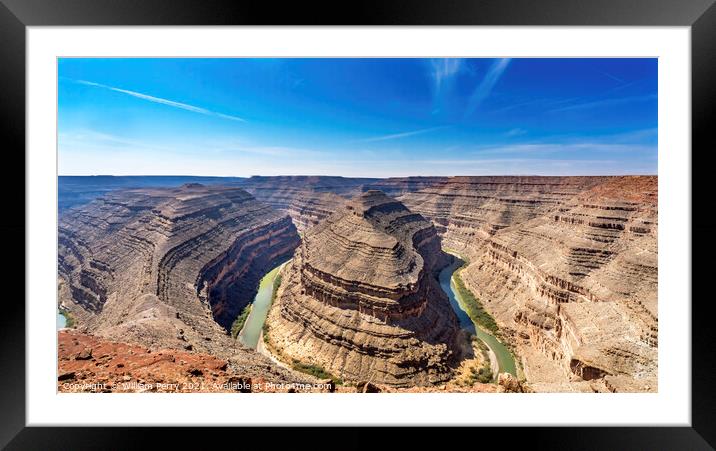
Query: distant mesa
362,300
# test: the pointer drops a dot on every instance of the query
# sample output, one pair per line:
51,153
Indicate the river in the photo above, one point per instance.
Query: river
251,331
253,326
61,321
505,361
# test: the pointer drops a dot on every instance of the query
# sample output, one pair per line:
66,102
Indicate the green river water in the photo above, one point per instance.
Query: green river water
251,331
505,361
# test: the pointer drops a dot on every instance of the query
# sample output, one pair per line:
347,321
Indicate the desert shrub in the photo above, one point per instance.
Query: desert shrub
238,323
484,375
276,284
315,371
474,307
69,319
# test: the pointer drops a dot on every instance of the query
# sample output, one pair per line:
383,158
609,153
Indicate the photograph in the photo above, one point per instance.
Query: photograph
357,225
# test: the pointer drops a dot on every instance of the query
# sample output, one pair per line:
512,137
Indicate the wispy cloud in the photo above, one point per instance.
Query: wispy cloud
564,148
401,135
615,78
546,102
606,103
443,69
519,105
622,84
171,103
483,90
94,140
515,132
271,151
443,72
640,135
541,161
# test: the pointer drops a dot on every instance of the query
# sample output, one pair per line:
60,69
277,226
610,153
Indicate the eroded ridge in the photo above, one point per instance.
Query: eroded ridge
170,266
309,200
362,300
469,210
568,267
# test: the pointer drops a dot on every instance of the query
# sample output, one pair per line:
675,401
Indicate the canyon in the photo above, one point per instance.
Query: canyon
566,266
168,267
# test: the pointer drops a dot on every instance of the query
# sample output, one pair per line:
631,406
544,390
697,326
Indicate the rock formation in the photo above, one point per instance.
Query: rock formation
170,266
306,207
568,267
309,200
361,299
469,210
397,186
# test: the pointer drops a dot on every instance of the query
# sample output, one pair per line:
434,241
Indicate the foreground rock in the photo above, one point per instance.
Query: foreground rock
122,367
169,267
118,367
361,299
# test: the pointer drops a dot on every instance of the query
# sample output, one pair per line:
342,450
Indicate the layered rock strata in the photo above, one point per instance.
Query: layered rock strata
170,267
306,207
575,288
343,186
309,200
468,210
361,298
397,186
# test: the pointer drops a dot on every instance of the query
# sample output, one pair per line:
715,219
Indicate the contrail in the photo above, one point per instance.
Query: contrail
167,102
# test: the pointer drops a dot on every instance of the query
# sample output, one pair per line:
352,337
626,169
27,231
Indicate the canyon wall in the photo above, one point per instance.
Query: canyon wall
361,298
566,265
171,267
306,207
308,200
469,210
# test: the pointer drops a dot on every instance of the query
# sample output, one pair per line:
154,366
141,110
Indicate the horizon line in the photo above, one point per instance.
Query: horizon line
358,177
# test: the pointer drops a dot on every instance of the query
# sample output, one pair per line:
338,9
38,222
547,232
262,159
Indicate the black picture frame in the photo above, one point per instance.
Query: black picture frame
700,15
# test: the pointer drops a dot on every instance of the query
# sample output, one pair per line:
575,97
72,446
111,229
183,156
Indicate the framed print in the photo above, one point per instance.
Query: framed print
483,219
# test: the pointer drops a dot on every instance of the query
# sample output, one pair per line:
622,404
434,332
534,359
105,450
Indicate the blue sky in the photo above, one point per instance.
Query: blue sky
357,117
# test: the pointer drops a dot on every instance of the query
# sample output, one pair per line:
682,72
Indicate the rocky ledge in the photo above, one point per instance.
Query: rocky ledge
361,298
89,363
